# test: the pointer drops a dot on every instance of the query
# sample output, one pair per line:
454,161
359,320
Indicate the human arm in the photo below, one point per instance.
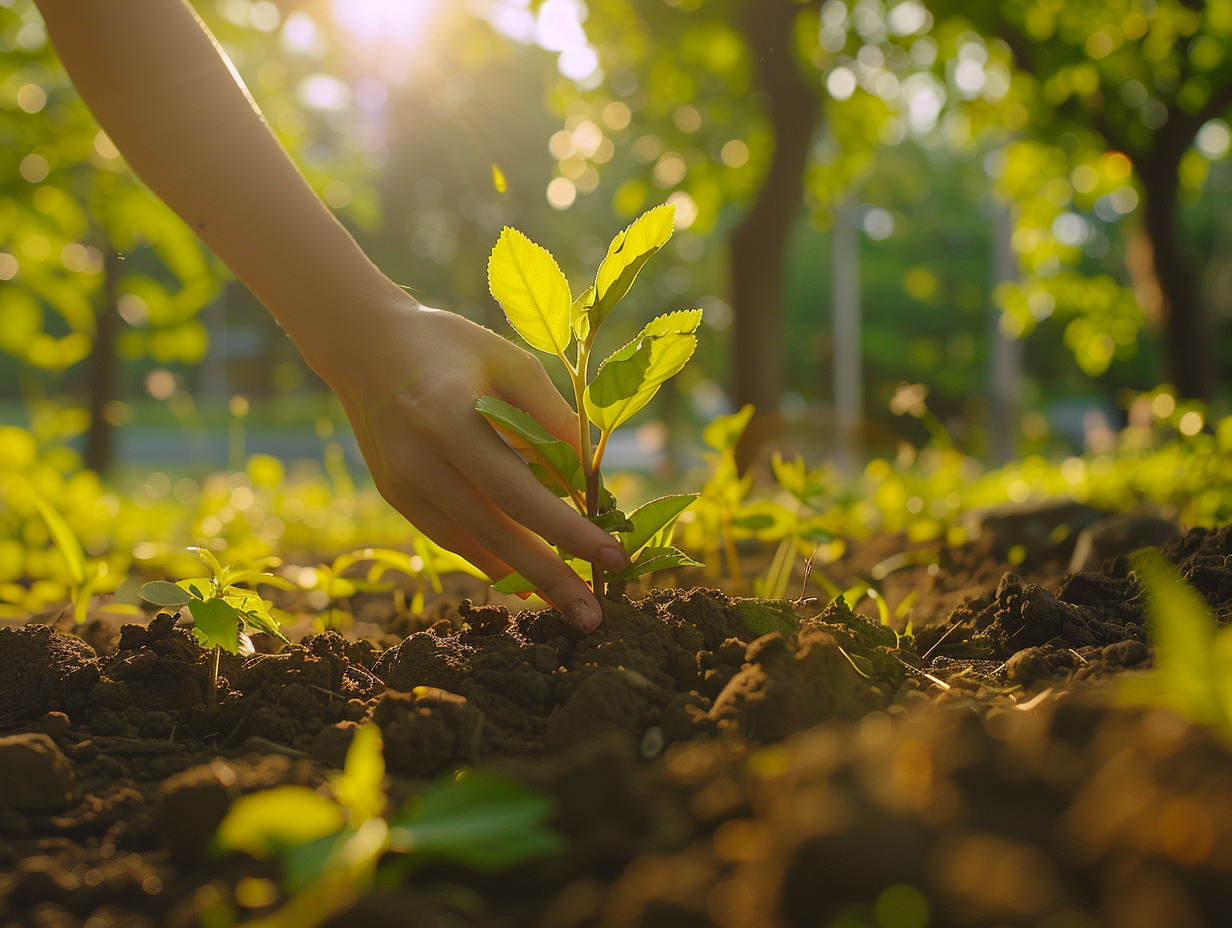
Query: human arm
408,376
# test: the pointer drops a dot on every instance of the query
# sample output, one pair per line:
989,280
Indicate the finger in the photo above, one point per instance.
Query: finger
531,389
506,480
398,484
517,546
430,520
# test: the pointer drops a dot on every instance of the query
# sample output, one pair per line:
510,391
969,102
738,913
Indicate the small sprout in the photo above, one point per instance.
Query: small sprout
222,610
335,847
1192,672
83,572
530,287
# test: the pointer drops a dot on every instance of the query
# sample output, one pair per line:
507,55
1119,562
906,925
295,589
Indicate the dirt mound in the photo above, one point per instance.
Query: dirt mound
716,761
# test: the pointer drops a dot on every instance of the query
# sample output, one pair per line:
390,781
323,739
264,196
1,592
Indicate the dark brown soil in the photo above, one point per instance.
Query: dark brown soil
716,762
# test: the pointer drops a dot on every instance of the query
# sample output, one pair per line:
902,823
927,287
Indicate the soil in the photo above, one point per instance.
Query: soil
715,761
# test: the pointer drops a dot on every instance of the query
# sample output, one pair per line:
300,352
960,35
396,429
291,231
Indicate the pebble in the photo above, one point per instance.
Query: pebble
34,775
653,742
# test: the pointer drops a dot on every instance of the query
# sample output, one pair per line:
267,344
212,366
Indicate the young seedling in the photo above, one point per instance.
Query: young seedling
336,581
220,607
83,573
335,847
1192,666
530,287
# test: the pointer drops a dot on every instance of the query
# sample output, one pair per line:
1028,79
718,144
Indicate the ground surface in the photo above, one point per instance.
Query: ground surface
715,761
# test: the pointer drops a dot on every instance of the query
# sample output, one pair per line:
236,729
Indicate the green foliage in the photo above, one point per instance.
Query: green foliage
87,252
629,378
335,847
84,573
218,604
1192,672
476,819
726,512
535,296
252,514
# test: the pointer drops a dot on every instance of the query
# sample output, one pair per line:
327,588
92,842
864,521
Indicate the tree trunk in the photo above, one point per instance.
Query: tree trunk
1187,352
101,379
759,242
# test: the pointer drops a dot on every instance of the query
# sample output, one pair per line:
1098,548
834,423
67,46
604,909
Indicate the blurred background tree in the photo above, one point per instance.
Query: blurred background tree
1133,98
1083,147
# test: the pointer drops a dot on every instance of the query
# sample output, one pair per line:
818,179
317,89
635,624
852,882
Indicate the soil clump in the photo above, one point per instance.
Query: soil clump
715,761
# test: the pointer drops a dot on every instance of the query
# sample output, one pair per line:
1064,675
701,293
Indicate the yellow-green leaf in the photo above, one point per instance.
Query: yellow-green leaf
631,376
579,315
162,593
62,535
558,456
723,432
215,624
649,519
625,256
531,289
263,823
360,786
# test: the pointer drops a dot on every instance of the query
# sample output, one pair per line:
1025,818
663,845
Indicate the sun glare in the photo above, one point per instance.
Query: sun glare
395,26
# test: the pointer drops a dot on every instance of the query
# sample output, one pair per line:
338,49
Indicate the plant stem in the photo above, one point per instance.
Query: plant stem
211,698
729,548
600,448
589,467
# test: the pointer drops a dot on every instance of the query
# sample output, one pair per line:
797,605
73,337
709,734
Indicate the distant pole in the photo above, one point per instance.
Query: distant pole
848,353
1004,352
213,383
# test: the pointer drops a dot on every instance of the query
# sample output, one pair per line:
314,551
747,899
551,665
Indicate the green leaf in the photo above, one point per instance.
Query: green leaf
217,625
755,521
360,788
549,450
253,610
514,583
763,616
258,617
631,376
1189,666
162,593
61,535
329,874
384,559
626,254
194,585
659,558
549,478
207,556
723,432
526,281
262,824
579,314
613,520
479,820
651,517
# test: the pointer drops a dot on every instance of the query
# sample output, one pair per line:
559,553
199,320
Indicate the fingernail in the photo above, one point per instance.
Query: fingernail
585,615
613,559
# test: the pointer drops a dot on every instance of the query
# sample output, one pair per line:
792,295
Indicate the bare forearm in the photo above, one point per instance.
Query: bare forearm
168,98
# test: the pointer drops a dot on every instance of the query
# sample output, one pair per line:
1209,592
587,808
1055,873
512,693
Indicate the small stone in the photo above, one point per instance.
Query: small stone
34,775
545,658
1117,535
54,724
653,743
190,808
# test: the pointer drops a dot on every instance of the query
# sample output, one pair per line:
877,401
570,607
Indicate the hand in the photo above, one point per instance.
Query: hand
408,377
